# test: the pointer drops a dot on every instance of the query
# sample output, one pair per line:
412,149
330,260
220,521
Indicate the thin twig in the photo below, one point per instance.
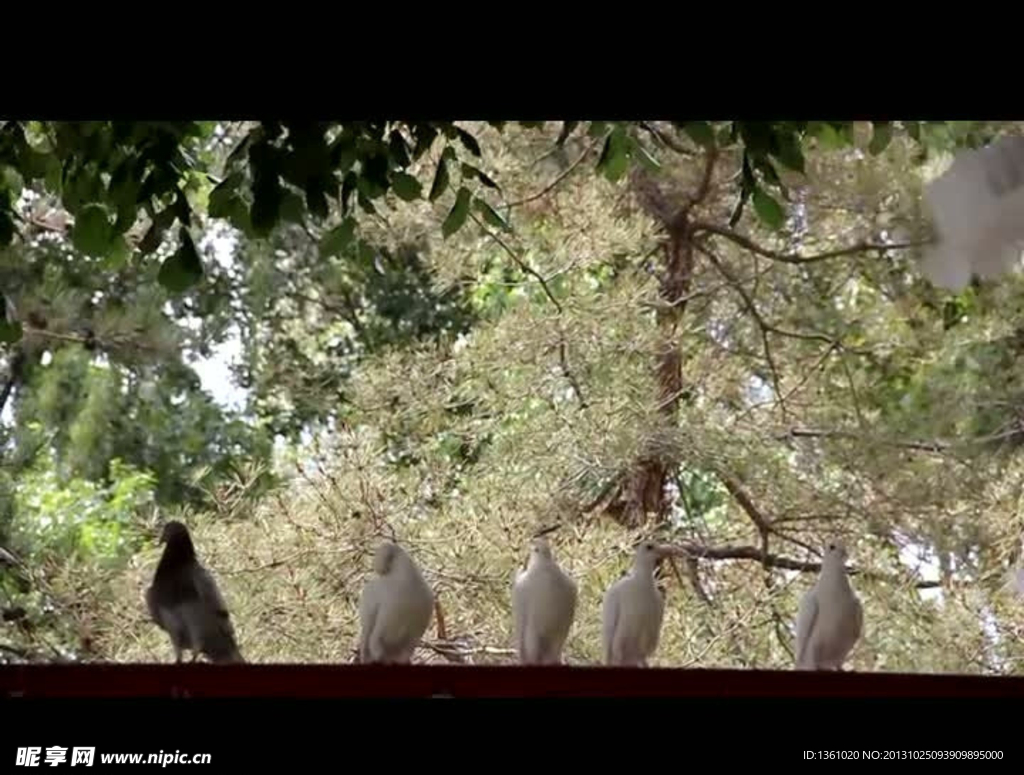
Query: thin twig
810,336
563,355
518,261
554,183
667,139
762,324
806,433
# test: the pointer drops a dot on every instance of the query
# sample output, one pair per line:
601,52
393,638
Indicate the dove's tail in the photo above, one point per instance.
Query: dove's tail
233,657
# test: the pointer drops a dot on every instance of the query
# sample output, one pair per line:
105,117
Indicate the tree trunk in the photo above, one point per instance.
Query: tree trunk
641,496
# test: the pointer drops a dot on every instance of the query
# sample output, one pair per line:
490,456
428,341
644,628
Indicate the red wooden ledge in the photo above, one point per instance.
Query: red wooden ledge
340,681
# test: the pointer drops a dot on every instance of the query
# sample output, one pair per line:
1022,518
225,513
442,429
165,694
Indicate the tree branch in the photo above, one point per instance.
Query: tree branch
806,433
790,258
518,261
666,139
762,324
563,357
705,182
733,552
554,183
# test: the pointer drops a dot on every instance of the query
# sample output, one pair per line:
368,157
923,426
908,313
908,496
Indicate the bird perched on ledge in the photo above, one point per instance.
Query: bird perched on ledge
633,610
543,605
831,619
395,608
185,602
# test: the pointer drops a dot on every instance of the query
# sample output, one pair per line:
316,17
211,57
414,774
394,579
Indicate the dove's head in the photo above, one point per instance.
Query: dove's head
835,553
540,550
387,555
648,554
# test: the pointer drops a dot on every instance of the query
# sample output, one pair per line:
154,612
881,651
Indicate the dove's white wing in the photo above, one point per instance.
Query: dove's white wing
805,620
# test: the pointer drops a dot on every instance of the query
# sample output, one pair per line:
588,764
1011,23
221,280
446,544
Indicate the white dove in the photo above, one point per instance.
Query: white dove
395,608
633,611
831,618
543,606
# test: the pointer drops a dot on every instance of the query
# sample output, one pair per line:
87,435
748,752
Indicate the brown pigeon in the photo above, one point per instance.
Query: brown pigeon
185,602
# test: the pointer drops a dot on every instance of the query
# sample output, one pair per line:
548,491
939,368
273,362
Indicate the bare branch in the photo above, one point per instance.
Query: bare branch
746,503
453,651
732,552
790,258
705,182
554,183
752,308
666,139
806,433
764,324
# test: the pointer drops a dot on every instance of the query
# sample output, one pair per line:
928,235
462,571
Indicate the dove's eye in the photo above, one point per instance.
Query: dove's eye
831,547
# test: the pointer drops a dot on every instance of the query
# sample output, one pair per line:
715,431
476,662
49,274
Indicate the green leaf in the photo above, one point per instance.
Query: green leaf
292,208
830,138
373,178
6,227
10,332
440,179
182,209
92,232
335,241
365,203
12,180
741,203
316,197
266,204
367,253
348,187
399,149
152,239
183,269
767,209
223,196
119,254
406,187
53,175
614,160
458,214
491,215
767,170
881,136
790,153
469,141
469,171
700,132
